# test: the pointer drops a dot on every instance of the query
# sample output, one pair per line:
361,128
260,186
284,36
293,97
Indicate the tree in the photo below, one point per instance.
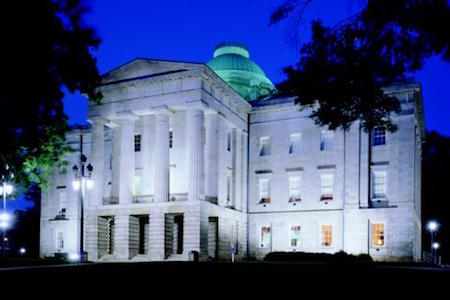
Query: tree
46,48
343,70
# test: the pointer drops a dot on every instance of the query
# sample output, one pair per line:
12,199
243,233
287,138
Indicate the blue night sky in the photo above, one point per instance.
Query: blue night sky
189,31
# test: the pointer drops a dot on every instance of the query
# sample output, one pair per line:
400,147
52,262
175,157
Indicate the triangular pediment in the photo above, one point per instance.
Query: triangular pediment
141,67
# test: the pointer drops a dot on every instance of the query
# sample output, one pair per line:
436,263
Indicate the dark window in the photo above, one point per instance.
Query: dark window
378,137
137,143
170,139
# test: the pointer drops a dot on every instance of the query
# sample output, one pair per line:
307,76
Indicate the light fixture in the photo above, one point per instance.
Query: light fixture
73,257
22,251
76,184
436,246
5,219
89,183
432,226
8,189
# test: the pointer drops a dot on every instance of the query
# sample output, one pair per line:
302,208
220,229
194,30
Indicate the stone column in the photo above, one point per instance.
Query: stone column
212,155
97,159
122,178
237,168
195,121
147,154
244,170
122,237
161,166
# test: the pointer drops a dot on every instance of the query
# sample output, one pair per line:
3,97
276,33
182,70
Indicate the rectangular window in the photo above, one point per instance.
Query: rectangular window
62,202
137,143
378,235
295,236
264,146
378,137
294,189
137,185
59,240
264,190
170,139
294,143
265,237
326,140
326,187
379,184
327,235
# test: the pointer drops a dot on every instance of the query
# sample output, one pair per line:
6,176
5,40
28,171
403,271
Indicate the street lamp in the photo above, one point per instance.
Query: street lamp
432,227
6,189
81,182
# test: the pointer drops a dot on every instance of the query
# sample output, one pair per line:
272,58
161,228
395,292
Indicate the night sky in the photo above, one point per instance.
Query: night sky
189,31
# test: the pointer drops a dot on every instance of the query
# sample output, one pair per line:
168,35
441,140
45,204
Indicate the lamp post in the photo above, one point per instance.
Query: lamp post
432,227
435,248
81,182
6,189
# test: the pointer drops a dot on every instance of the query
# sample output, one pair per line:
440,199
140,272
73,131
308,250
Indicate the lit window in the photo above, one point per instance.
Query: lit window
264,190
326,187
378,137
137,185
327,235
295,236
379,184
62,202
378,235
170,139
264,146
265,237
294,143
326,140
294,189
137,143
59,240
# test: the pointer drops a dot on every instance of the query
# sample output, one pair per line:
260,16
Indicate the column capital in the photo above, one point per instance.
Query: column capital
162,110
126,115
197,105
97,119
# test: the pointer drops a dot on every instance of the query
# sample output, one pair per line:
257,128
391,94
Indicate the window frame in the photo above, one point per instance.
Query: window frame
291,148
299,242
290,194
261,199
378,222
262,141
373,194
57,240
378,139
326,135
324,196
137,142
260,237
321,240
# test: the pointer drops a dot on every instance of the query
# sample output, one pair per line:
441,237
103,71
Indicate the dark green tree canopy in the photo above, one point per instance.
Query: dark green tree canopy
46,47
343,71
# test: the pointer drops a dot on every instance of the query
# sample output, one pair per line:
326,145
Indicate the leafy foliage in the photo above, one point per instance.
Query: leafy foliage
46,47
343,71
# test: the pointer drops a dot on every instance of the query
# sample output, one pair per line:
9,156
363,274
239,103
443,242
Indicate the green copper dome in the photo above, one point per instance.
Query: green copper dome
232,63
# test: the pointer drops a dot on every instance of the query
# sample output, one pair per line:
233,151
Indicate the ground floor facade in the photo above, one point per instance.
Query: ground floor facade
182,231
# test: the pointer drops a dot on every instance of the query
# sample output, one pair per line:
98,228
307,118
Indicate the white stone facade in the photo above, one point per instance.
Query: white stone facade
178,168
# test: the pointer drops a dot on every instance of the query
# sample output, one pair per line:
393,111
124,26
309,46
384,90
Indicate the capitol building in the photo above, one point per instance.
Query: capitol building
209,159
